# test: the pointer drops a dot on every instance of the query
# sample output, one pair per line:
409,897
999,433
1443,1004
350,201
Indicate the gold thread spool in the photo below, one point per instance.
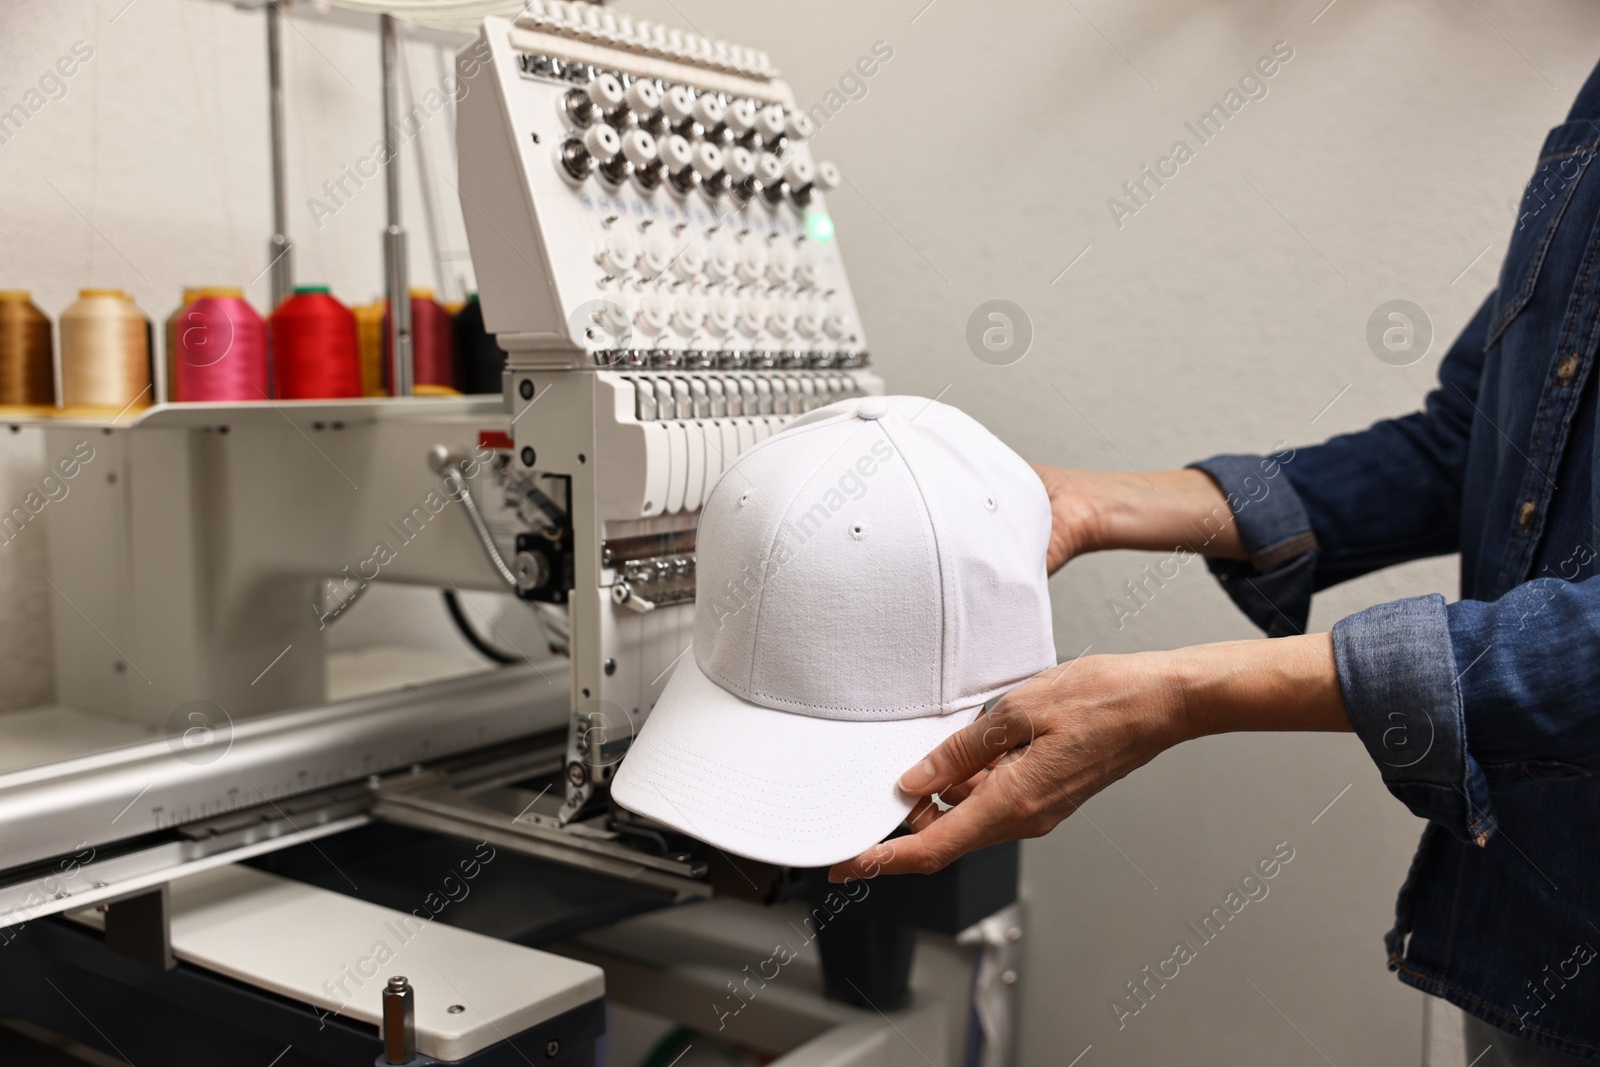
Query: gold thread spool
105,355
369,334
169,340
27,373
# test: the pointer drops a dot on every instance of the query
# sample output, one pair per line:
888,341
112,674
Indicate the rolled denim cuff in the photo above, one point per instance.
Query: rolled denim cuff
1397,670
1274,588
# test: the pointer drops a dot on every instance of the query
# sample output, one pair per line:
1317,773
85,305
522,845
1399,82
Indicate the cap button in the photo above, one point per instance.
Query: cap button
873,407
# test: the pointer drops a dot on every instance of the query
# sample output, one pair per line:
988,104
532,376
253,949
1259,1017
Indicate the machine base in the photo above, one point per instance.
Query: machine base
63,978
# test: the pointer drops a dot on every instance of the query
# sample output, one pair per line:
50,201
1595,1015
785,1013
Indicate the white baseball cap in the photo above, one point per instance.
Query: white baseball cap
866,579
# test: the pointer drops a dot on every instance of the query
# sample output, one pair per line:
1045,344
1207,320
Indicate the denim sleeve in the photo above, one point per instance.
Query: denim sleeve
1274,588
1529,666
1455,700
1402,691
1396,662
1393,492
1313,517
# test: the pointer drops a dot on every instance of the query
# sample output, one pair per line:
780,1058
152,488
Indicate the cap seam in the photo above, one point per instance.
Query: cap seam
714,676
938,557
977,699
966,703
761,587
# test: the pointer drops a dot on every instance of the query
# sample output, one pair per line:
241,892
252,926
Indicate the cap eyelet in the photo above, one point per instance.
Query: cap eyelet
990,503
744,498
858,531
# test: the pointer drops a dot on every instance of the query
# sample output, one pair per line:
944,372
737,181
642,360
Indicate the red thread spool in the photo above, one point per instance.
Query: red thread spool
433,358
315,353
220,346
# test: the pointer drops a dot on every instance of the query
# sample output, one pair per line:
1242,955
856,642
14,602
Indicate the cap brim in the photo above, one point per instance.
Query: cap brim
773,786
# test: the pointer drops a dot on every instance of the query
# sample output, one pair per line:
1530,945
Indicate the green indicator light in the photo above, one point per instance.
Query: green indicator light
820,227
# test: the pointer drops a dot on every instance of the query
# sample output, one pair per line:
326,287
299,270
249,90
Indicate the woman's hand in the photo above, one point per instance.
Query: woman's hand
1058,739
1158,511
1074,523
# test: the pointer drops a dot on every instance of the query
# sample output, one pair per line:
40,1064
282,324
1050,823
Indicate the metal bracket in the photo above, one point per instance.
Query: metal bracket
999,941
522,821
648,584
140,928
545,564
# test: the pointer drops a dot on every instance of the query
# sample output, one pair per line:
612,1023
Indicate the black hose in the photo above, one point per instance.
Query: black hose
453,605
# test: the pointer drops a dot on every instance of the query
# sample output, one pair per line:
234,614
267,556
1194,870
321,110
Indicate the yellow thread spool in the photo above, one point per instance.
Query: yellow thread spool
369,334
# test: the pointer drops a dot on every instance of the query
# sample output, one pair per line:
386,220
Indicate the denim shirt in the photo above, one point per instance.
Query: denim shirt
1483,716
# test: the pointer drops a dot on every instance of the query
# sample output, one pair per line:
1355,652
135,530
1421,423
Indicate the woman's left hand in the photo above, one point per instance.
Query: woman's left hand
1053,742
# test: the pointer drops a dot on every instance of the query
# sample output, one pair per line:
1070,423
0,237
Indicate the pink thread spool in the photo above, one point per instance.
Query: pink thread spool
221,349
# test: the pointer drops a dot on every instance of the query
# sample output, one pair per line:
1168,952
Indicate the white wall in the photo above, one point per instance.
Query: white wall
1227,314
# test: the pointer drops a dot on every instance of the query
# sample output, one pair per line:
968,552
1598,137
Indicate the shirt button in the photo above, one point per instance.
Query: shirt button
1567,368
1525,514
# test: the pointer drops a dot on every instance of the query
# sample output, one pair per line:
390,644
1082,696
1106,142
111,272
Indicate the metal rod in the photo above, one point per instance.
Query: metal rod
279,250
394,237
425,184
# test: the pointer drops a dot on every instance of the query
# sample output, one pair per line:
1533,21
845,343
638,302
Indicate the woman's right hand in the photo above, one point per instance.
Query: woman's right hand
1155,511
1074,522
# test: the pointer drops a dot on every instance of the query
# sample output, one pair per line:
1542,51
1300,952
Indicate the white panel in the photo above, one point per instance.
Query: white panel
731,445
658,466
716,457
695,472
677,466
335,952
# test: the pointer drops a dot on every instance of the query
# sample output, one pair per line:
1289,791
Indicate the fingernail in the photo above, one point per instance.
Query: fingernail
918,777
